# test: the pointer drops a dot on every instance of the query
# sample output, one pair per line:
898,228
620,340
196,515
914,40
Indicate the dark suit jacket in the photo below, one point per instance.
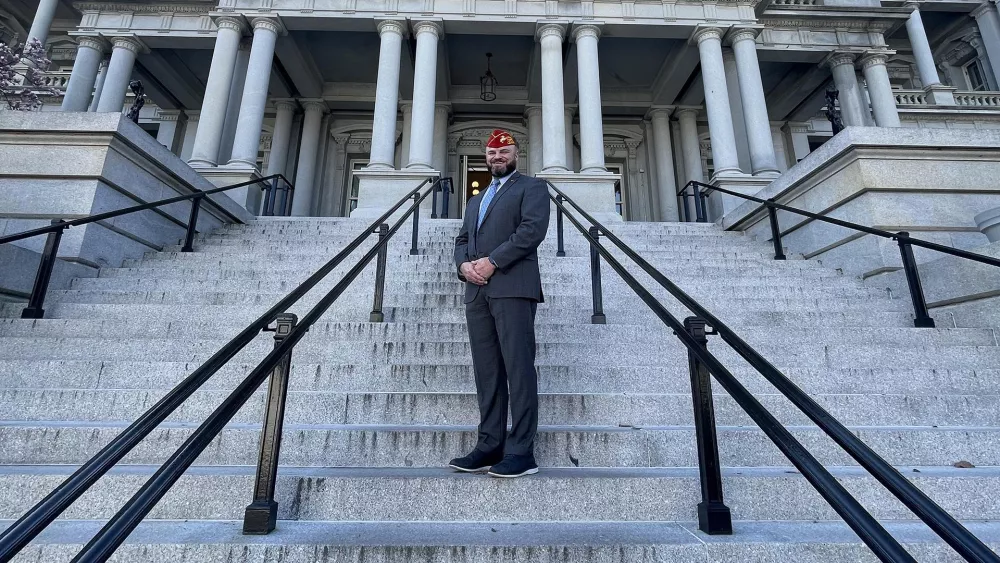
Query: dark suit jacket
513,227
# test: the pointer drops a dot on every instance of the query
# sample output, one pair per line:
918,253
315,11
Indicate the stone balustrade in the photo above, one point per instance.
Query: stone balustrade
910,97
978,99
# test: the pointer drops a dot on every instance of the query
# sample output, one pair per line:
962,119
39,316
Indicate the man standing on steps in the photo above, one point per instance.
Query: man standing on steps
496,255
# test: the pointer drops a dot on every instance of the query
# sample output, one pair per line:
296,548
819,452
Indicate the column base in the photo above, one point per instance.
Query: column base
940,95
719,204
594,192
378,190
228,174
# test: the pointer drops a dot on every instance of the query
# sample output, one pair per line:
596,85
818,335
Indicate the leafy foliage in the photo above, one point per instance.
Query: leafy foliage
22,78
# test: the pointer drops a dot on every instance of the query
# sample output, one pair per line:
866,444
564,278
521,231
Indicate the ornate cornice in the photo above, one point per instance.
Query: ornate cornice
160,8
824,24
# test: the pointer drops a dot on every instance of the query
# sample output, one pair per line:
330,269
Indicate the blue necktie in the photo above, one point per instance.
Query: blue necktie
485,204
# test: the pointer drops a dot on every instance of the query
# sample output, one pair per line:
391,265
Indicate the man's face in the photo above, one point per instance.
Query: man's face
502,161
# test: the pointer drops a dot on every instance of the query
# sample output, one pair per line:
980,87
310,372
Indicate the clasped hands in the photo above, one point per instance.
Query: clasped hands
478,271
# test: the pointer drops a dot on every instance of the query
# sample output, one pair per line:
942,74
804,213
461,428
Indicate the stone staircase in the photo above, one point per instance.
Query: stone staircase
376,410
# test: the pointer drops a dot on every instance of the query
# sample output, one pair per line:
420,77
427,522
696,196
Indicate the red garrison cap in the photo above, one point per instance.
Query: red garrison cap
499,138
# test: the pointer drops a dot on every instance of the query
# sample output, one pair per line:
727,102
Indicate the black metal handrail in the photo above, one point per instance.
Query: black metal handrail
47,261
862,522
906,243
19,534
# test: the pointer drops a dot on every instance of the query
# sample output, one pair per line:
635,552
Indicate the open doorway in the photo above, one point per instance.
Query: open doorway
476,177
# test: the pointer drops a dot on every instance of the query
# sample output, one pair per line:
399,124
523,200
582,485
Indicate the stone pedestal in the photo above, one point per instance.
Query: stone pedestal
234,173
594,192
989,223
720,204
378,190
940,95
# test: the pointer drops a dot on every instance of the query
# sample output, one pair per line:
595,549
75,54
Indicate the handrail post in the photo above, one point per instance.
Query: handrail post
434,200
714,516
699,205
261,515
772,215
921,317
271,193
598,318
286,205
685,213
416,225
46,263
445,196
377,315
560,243
192,226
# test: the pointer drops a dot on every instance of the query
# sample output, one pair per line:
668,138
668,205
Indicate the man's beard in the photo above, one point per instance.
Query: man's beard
504,170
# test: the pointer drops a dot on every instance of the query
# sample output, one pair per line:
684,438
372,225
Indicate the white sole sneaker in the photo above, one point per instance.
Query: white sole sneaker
531,471
469,470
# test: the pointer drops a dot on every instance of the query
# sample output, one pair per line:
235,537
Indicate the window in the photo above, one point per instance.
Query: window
619,196
352,196
974,75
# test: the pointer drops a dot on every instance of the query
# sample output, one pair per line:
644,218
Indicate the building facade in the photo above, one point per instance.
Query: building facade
644,95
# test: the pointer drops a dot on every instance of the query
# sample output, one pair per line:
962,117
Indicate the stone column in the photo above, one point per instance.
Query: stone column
102,75
989,28
386,96
168,134
190,130
665,185
119,74
921,47
281,137
880,90
690,144
265,35
570,145
335,207
851,109
736,110
220,77
754,106
591,117
720,120
235,100
404,144
440,154
44,15
554,149
89,53
424,91
455,165
650,174
305,173
534,118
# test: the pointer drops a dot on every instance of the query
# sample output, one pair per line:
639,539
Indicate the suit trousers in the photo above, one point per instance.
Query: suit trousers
502,335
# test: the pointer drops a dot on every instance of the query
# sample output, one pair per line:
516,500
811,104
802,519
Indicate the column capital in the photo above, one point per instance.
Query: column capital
428,26
453,141
129,43
704,33
341,140
687,111
836,59
743,33
913,5
314,105
169,115
587,29
873,58
533,110
983,9
234,23
550,29
92,42
287,104
270,23
390,26
406,106
442,106
659,112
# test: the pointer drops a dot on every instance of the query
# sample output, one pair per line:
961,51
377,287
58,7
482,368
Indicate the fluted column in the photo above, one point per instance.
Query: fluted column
278,161
119,74
42,23
851,109
591,117
265,35
386,96
880,89
220,78
554,148
690,144
89,52
666,186
440,154
754,106
424,91
534,118
102,75
305,173
720,120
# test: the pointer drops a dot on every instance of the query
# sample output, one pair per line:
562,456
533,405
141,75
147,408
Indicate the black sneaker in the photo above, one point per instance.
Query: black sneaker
476,461
514,466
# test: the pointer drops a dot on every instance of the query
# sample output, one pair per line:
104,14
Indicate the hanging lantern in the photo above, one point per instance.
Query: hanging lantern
488,83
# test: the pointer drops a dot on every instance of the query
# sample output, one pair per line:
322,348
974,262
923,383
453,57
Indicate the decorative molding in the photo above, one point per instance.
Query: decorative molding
351,6
469,8
669,11
587,9
427,26
628,10
705,33
92,42
840,59
146,8
827,24
874,59
510,8
551,9
586,30
391,26
230,22
551,29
